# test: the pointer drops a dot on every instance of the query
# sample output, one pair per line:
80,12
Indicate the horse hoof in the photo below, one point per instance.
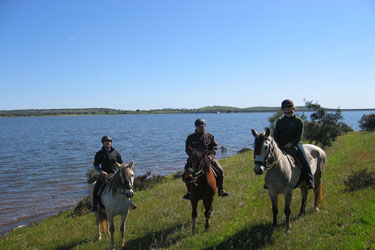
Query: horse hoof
317,208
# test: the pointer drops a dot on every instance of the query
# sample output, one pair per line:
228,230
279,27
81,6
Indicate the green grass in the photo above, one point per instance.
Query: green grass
241,221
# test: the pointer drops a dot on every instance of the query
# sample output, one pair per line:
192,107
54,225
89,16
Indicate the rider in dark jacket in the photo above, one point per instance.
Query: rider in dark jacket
288,134
200,140
104,163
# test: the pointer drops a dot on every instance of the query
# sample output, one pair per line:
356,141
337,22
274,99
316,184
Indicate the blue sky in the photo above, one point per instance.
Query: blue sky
154,54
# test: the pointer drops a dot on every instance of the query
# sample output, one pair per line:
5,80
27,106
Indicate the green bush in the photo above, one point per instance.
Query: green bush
324,127
367,122
360,179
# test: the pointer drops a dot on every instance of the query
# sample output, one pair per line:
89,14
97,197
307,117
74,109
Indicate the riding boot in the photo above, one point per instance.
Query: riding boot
187,195
95,197
132,205
220,178
309,177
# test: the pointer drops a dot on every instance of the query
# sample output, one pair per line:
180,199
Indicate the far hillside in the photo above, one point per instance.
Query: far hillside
108,111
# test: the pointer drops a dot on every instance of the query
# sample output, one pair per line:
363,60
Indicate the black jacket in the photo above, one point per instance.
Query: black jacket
201,142
107,159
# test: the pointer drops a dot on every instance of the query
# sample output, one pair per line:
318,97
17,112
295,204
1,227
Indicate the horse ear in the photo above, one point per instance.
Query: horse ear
131,164
117,164
255,133
268,131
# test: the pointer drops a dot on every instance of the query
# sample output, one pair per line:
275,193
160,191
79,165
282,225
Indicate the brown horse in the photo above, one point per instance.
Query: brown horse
202,185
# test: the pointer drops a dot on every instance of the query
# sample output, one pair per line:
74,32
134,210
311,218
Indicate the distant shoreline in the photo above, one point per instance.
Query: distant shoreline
106,111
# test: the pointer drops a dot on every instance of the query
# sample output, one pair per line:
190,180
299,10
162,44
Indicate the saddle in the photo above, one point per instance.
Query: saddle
291,154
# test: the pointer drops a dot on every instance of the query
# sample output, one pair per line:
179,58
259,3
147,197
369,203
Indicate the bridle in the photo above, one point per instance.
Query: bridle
128,184
200,171
268,161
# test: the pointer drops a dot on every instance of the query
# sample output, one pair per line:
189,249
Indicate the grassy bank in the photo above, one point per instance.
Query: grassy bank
241,221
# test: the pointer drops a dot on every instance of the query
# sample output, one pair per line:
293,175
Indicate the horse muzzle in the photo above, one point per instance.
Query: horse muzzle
259,169
129,193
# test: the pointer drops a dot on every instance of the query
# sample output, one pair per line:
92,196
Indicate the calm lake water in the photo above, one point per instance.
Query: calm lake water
44,160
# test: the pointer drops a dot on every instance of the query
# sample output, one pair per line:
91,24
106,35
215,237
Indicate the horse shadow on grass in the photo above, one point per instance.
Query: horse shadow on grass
72,245
158,239
254,237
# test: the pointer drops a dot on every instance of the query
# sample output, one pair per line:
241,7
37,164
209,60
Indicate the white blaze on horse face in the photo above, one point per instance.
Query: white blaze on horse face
260,159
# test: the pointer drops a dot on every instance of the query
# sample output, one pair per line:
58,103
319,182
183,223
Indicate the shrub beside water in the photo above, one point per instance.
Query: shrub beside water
367,122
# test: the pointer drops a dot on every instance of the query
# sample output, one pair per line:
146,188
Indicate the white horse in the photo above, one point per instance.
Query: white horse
115,199
283,176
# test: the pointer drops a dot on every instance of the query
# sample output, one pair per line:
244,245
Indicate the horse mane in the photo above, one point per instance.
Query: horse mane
198,156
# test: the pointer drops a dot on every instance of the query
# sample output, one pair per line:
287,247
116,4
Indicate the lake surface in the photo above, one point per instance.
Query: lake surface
44,160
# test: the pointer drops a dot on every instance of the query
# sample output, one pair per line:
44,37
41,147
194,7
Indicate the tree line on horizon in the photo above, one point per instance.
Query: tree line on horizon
108,111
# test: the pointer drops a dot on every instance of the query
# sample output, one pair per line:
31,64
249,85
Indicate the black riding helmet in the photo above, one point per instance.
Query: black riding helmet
287,104
200,122
106,138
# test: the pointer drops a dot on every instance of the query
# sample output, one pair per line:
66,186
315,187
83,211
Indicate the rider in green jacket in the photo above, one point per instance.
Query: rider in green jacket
288,134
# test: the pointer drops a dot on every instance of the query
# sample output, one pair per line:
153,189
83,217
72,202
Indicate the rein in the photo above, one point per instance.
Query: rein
198,173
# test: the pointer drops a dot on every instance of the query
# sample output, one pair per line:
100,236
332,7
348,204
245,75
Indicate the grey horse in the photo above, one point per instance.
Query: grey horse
283,175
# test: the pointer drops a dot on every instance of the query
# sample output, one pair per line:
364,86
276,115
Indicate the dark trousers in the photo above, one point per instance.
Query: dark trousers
219,172
99,182
305,164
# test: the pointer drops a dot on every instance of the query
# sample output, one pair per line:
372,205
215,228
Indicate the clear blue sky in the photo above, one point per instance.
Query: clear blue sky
136,54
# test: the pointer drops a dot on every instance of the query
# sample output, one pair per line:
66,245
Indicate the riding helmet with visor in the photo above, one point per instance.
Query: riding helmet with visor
106,138
200,122
287,104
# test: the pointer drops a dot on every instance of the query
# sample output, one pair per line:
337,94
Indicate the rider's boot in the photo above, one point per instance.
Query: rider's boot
310,180
221,192
306,167
186,196
95,198
132,205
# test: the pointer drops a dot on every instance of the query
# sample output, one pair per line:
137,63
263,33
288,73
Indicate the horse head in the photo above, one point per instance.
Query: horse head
198,160
262,148
126,176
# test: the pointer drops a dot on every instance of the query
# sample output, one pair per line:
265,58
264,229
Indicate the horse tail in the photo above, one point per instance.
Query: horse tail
103,222
320,194
322,160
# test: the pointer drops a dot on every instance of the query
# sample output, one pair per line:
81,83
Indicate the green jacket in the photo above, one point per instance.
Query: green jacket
288,129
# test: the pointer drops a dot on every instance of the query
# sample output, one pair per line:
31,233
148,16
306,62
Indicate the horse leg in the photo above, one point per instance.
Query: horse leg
318,194
111,230
97,221
194,214
208,206
122,227
287,211
304,193
275,211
